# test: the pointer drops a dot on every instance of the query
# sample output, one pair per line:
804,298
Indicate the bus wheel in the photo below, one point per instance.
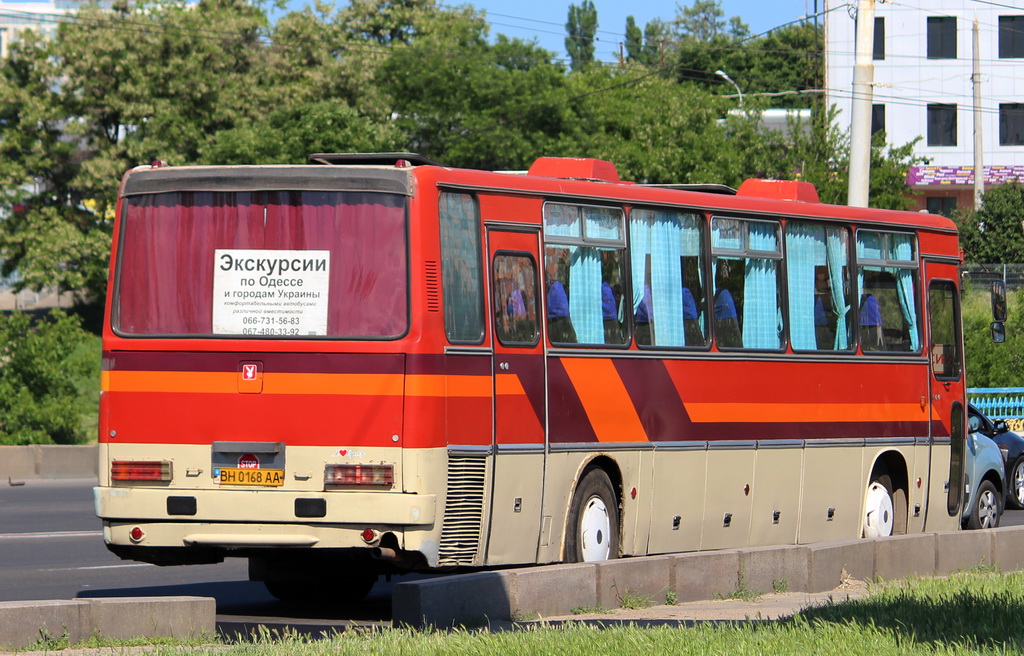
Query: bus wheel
878,508
592,533
353,587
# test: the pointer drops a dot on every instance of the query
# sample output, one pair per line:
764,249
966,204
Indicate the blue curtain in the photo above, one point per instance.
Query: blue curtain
903,249
762,316
836,245
585,295
667,279
640,248
805,249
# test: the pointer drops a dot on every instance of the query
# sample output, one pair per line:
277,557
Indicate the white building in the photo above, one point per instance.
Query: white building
40,15
923,88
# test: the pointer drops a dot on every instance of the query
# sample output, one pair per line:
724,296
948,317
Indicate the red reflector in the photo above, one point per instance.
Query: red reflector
380,475
140,470
136,534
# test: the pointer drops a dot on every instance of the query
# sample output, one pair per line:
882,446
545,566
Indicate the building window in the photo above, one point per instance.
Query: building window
879,42
1011,124
877,118
941,37
1011,37
942,205
941,125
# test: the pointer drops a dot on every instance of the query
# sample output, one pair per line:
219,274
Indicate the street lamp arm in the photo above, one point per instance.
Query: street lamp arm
725,76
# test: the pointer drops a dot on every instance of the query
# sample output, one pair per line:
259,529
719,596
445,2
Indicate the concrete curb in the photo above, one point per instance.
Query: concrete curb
48,461
24,623
517,594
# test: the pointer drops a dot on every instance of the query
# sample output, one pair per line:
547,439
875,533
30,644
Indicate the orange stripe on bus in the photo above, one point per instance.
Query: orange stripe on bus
509,384
605,400
289,383
803,412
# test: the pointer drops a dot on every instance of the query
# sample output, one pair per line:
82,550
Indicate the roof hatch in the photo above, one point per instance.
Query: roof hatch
575,168
779,190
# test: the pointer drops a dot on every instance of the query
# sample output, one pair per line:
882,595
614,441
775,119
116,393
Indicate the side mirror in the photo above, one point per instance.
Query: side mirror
1001,427
998,301
998,332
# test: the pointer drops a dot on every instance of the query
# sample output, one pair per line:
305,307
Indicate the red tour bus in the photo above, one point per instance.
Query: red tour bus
375,364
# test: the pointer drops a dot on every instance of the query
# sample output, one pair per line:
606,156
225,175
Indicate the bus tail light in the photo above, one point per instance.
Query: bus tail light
372,475
140,470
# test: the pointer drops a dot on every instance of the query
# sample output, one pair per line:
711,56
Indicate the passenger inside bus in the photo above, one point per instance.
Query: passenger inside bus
870,324
611,297
824,316
727,325
644,318
560,328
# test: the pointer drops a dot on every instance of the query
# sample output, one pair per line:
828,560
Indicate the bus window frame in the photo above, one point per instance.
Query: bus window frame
913,264
744,254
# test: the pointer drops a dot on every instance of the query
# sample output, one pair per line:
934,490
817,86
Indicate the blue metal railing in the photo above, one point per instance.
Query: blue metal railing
998,402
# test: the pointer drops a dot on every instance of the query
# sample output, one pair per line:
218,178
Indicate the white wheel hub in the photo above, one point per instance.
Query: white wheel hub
595,531
878,514
1018,482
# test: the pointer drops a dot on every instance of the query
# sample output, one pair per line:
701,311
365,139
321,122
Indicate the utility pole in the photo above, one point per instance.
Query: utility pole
979,144
860,119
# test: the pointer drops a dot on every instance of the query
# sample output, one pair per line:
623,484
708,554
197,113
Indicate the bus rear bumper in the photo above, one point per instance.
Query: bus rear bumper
256,518
113,503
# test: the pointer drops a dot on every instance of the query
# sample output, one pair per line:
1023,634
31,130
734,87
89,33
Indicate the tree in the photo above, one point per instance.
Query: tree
581,28
634,41
113,90
995,232
495,106
703,22
42,399
645,47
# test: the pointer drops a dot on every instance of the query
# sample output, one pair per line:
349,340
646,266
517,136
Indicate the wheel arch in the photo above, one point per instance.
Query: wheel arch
893,464
611,468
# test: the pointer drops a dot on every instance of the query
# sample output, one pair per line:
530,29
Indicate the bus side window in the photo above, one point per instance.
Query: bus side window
461,268
888,291
817,268
515,299
747,262
668,297
583,274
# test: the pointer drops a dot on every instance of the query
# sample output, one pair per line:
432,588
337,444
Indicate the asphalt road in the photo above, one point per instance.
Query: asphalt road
51,547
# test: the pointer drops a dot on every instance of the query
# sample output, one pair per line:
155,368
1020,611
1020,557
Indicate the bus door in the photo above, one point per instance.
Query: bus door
519,398
947,411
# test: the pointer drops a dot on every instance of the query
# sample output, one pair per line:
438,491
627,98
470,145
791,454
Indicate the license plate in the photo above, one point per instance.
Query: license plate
235,476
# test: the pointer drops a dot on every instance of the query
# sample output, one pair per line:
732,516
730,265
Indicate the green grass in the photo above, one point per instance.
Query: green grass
974,612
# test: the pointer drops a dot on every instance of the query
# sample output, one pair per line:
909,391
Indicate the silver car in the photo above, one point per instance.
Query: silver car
984,484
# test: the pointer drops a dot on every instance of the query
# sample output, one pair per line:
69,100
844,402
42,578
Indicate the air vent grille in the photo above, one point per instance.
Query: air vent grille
430,274
463,510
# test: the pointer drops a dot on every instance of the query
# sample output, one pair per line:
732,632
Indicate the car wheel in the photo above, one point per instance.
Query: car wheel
592,533
878,508
1015,499
985,507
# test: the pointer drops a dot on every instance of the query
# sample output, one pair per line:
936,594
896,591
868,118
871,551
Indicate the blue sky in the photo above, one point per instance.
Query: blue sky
544,20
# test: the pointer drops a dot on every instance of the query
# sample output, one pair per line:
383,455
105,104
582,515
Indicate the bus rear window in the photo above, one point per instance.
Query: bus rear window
291,264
